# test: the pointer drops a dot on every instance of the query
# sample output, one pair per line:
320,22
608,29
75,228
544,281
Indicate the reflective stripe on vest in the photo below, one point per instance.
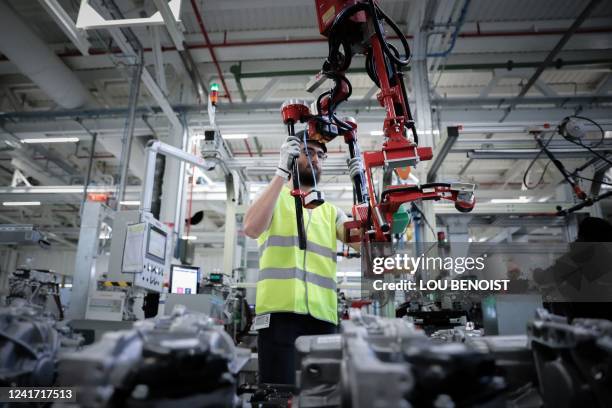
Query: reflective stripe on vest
295,273
293,280
280,241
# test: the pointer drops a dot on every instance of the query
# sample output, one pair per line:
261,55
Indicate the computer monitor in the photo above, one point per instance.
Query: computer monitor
184,280
156,244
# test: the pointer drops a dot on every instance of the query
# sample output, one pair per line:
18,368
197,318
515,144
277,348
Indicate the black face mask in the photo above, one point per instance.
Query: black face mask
306,176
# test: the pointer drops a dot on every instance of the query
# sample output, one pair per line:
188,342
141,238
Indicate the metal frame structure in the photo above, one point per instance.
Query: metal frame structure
267,52
231,191
94,213
90,19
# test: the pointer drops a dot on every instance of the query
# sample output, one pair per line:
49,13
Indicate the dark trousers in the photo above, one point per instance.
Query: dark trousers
276,345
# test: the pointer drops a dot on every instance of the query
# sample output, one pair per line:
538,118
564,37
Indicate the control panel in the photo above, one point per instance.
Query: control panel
146,253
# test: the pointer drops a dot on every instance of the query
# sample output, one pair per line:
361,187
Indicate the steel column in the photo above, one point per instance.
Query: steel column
85,260
128,133
422,96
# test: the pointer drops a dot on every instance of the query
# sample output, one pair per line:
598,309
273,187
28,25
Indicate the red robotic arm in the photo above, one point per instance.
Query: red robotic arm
356,26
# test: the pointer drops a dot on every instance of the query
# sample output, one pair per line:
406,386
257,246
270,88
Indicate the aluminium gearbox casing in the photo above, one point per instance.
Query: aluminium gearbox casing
343,369
178,360
381,362
573,361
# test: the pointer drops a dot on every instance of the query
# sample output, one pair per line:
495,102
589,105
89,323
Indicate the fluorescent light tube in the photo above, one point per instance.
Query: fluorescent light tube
351,274
19,203
521,199
51,140
235,136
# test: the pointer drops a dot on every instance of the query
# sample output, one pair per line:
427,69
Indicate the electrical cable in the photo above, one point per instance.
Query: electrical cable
569,139
540,180
333,58
375,11
566,119
590,149
533,162
339,62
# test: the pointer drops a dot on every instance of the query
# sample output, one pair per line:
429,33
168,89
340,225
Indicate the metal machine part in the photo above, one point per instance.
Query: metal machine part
292,112
29,347
178,360
358,27
22,234
573,361
140,251
30,344
37,287
388,362
457,334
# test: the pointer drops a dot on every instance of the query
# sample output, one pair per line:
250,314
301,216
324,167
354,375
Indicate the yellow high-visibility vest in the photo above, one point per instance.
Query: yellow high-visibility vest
291,279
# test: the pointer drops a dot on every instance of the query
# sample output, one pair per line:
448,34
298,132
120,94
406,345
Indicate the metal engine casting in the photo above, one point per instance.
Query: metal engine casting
178,360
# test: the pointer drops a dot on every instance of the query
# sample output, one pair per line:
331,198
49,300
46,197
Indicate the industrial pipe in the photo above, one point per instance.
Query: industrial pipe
38,62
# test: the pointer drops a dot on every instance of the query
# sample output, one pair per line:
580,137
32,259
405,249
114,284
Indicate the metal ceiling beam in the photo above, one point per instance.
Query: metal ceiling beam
269,88
127,46
452,134
211,48
553,53
526,154
457,103
89,18
158,57
173,25
604,86
63,20
33,169
370,93
147,79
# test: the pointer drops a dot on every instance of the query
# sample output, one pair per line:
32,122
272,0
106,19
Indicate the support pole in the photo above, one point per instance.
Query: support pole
85,259
422,97
92,152
128,133
178,214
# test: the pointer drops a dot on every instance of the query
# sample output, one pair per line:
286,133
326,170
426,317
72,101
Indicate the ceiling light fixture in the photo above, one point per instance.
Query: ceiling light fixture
520,200
19,203
231,136
51,140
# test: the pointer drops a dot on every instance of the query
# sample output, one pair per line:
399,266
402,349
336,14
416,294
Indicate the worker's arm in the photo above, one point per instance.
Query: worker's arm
259,215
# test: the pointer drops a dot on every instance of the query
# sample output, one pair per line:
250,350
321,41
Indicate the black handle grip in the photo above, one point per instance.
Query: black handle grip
299,211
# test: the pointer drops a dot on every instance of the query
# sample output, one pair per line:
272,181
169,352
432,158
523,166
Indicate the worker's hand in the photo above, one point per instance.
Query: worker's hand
288,152
355,167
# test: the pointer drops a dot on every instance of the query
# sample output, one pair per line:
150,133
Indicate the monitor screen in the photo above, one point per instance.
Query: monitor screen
156,243
184,279
216,278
